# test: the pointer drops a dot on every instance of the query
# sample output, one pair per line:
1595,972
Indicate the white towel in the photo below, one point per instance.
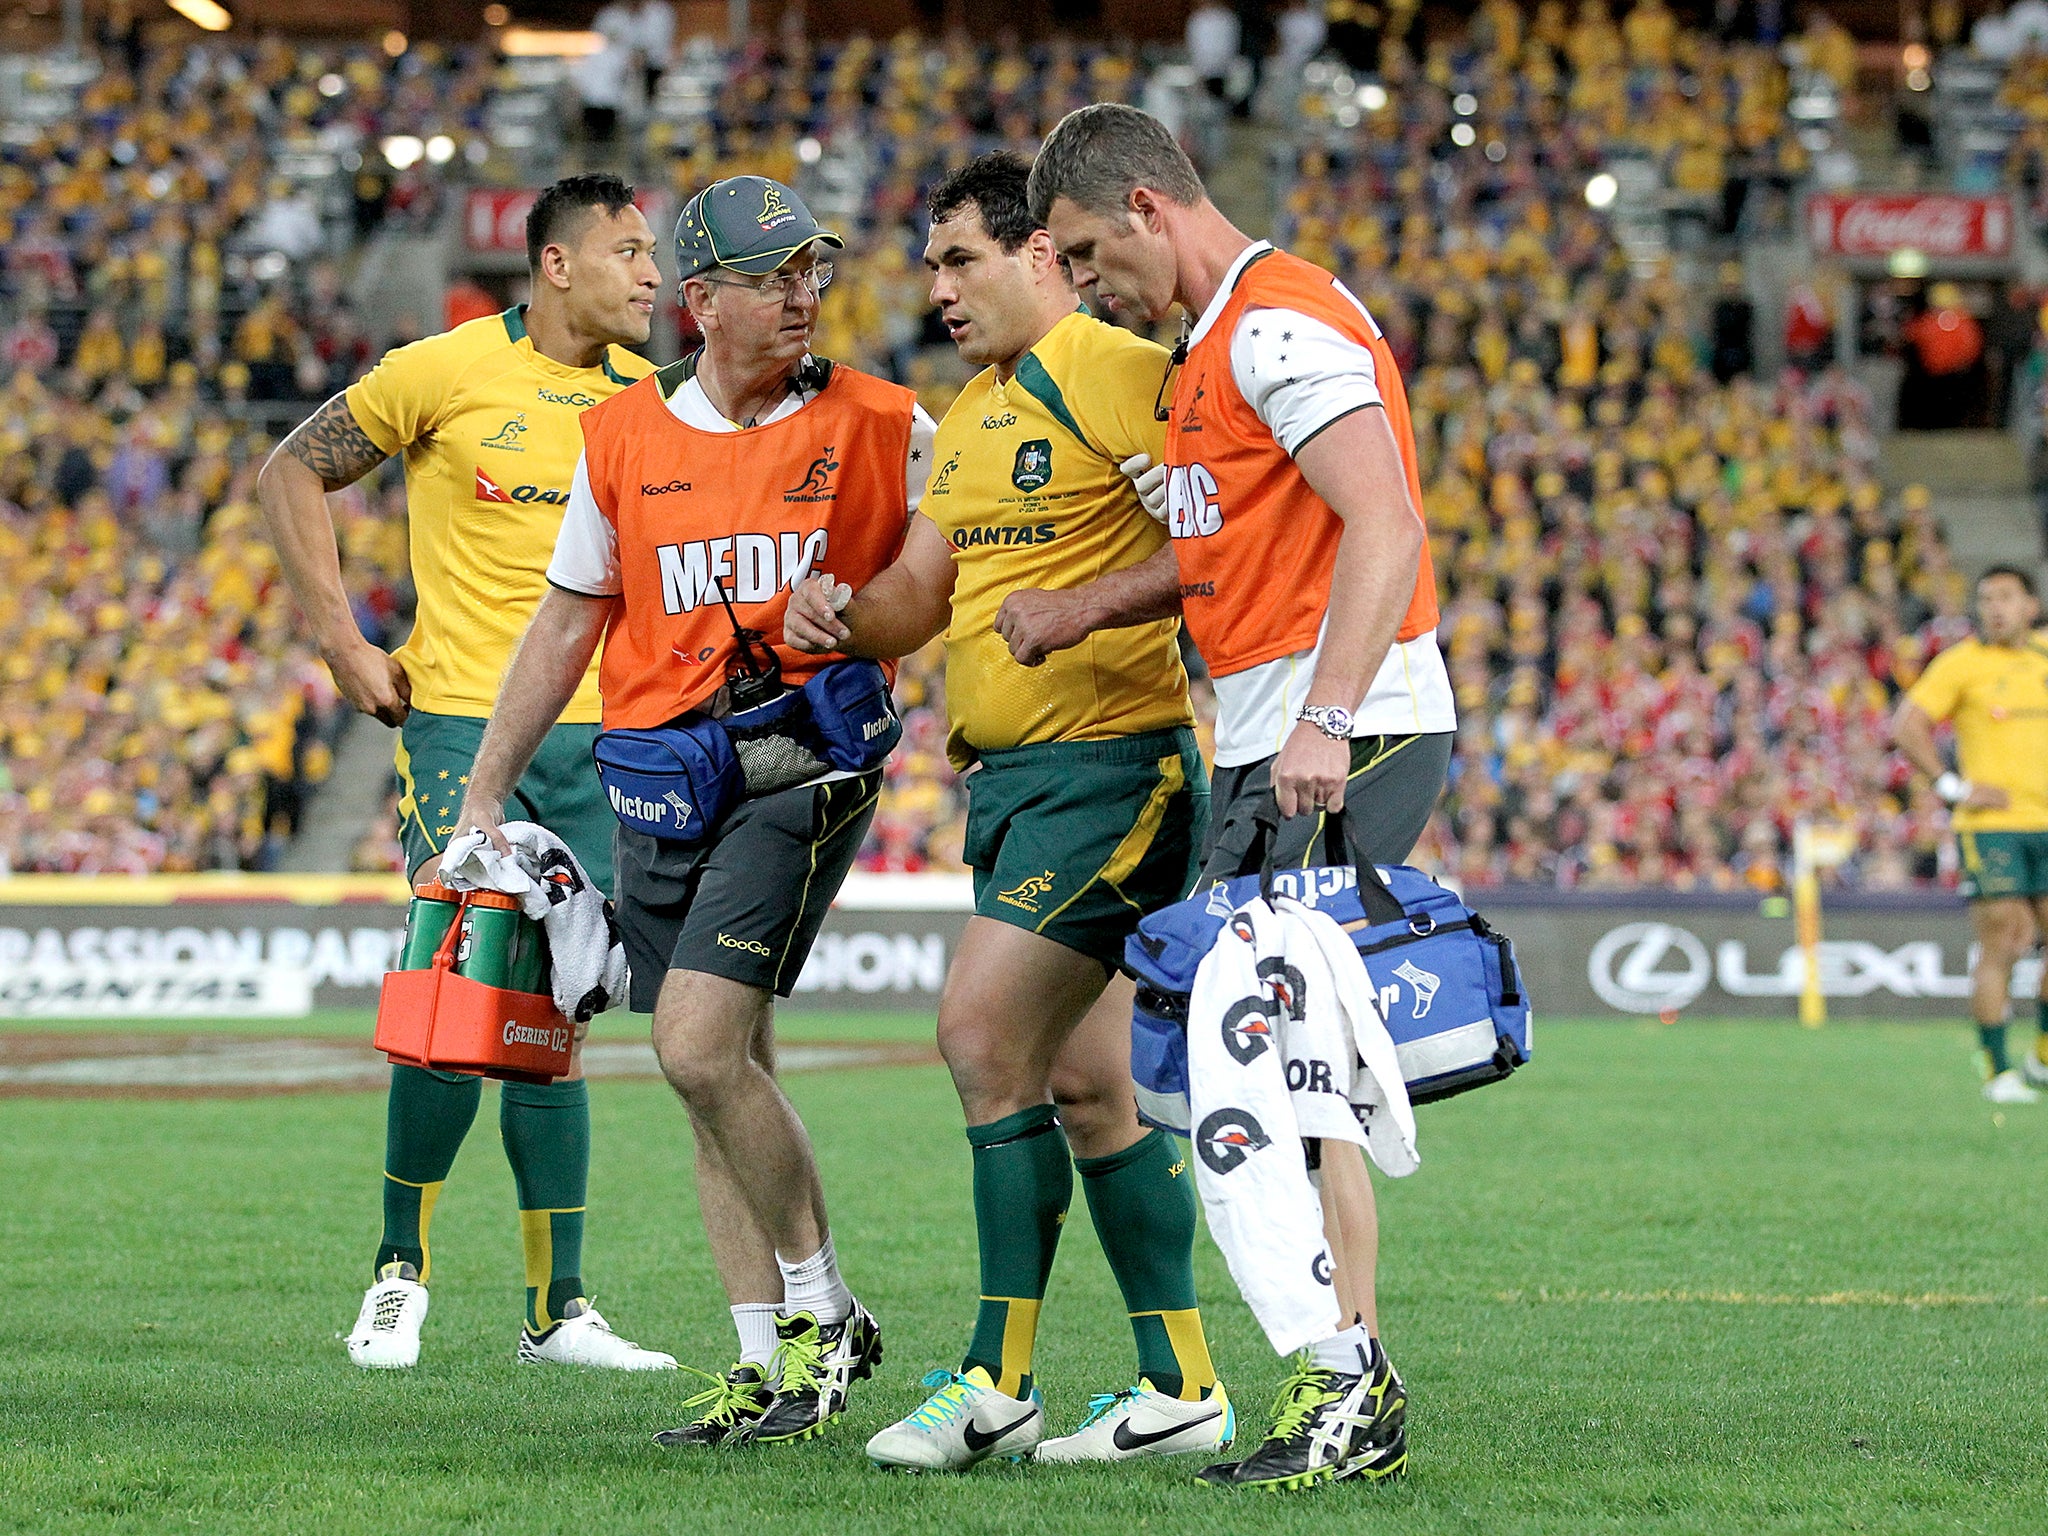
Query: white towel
1274,1054
1344,1020
583,940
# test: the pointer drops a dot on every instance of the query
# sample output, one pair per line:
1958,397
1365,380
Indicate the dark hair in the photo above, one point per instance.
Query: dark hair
2026,582
558,208
1098,156
997,186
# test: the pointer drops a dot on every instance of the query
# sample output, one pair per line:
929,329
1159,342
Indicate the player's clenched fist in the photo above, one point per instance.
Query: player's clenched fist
372,680
812,623
1034,624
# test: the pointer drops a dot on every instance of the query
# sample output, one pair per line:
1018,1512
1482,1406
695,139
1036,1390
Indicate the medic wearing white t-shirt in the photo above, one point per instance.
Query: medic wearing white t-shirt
1299,559
1301,566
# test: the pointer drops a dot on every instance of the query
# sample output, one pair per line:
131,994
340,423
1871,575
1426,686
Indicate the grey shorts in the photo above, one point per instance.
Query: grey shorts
1391,790
748,901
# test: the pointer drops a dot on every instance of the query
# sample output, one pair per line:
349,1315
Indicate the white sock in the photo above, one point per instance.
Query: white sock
1348,1352
814,1286
755,1323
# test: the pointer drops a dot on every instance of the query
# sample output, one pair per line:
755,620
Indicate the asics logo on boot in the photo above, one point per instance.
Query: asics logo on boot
1128,1439
980,1440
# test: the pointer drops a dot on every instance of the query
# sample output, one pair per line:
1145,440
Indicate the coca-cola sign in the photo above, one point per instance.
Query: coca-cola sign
1938,225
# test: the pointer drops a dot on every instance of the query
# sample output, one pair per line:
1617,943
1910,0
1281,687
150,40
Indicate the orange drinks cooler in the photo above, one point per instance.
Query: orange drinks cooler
439,1018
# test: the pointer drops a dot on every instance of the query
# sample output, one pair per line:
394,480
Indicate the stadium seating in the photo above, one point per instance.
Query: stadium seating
1632,555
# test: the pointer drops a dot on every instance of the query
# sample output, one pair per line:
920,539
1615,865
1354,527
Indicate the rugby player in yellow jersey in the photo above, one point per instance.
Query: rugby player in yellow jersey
486,416
1086,809
1994,688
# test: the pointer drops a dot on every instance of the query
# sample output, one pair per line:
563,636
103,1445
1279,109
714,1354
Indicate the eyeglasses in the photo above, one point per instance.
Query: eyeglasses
783,286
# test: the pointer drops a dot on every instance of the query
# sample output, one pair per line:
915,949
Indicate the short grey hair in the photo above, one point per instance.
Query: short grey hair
1098,156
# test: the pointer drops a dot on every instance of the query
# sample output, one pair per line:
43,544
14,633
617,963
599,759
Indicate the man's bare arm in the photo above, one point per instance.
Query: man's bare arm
1355,465
1036,623
893,615
1913,735
326,452
544,674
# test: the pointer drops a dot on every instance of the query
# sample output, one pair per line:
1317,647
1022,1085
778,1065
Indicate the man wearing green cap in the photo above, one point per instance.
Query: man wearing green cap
704,494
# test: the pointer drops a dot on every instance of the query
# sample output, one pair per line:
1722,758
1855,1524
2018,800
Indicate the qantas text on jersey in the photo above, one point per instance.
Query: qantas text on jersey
750,566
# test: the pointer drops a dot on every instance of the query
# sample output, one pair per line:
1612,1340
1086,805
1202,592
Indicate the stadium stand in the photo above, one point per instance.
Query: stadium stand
1678,601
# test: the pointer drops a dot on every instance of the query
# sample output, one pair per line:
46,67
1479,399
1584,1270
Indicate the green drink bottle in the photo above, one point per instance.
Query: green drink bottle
500,945
426,925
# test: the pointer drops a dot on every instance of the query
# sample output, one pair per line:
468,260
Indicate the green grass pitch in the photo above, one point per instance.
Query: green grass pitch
1707,1278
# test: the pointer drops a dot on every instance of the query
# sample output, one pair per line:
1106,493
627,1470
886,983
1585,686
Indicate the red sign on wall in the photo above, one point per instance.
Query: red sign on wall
1937,225
494,220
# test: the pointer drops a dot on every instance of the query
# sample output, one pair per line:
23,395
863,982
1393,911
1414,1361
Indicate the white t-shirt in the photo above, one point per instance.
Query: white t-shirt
586,557
1299,374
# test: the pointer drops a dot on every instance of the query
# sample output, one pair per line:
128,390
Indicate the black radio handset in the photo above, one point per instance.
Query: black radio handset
754,679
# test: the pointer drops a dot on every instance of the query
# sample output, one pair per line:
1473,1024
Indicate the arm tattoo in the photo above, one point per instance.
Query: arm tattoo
334,446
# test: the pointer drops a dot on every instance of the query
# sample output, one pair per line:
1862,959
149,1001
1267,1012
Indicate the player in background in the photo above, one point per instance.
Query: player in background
1301,565
486,418
1086,810
1994,689
703,495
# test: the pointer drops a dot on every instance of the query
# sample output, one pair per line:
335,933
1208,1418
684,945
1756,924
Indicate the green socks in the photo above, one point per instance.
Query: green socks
547,1141
546,1127
1142,1200
1992,1038
426,1117
1023,1184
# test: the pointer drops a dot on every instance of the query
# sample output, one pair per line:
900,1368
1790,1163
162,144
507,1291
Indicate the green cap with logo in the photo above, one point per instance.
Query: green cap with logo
749,224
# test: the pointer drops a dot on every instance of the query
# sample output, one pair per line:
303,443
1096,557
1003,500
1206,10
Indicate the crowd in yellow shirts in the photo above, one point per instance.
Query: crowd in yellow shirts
1676,611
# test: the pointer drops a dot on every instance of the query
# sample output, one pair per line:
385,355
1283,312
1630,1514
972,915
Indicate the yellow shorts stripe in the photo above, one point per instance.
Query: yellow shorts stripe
1130,852
408,794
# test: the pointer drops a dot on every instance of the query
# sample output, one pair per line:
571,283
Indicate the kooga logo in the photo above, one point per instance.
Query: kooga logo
664,490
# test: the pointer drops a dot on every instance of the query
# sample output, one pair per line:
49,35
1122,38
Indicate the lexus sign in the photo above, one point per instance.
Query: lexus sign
1941,226
1662,967
1648,967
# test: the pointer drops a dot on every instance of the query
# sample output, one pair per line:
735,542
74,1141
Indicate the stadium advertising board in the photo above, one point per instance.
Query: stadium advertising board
1728,958
215,947
257,947
494,220
1940,226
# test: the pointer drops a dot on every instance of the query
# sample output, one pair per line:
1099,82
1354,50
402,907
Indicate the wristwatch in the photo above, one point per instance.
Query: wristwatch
1333,720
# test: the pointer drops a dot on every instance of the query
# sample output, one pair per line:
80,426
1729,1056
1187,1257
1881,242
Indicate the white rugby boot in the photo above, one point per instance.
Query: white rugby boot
583,1337
2033,1068
2008,1087
1142,1421
965,1421
387,1331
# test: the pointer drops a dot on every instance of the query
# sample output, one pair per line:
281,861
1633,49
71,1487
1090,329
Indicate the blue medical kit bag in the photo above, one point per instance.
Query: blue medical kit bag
1447,981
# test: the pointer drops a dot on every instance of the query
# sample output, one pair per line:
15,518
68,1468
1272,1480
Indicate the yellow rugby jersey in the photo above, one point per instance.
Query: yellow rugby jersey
1025,487
490,432
1997,695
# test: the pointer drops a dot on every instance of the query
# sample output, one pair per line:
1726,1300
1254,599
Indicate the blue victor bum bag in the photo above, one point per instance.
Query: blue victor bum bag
679,781
853,714
1447,981
674,781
